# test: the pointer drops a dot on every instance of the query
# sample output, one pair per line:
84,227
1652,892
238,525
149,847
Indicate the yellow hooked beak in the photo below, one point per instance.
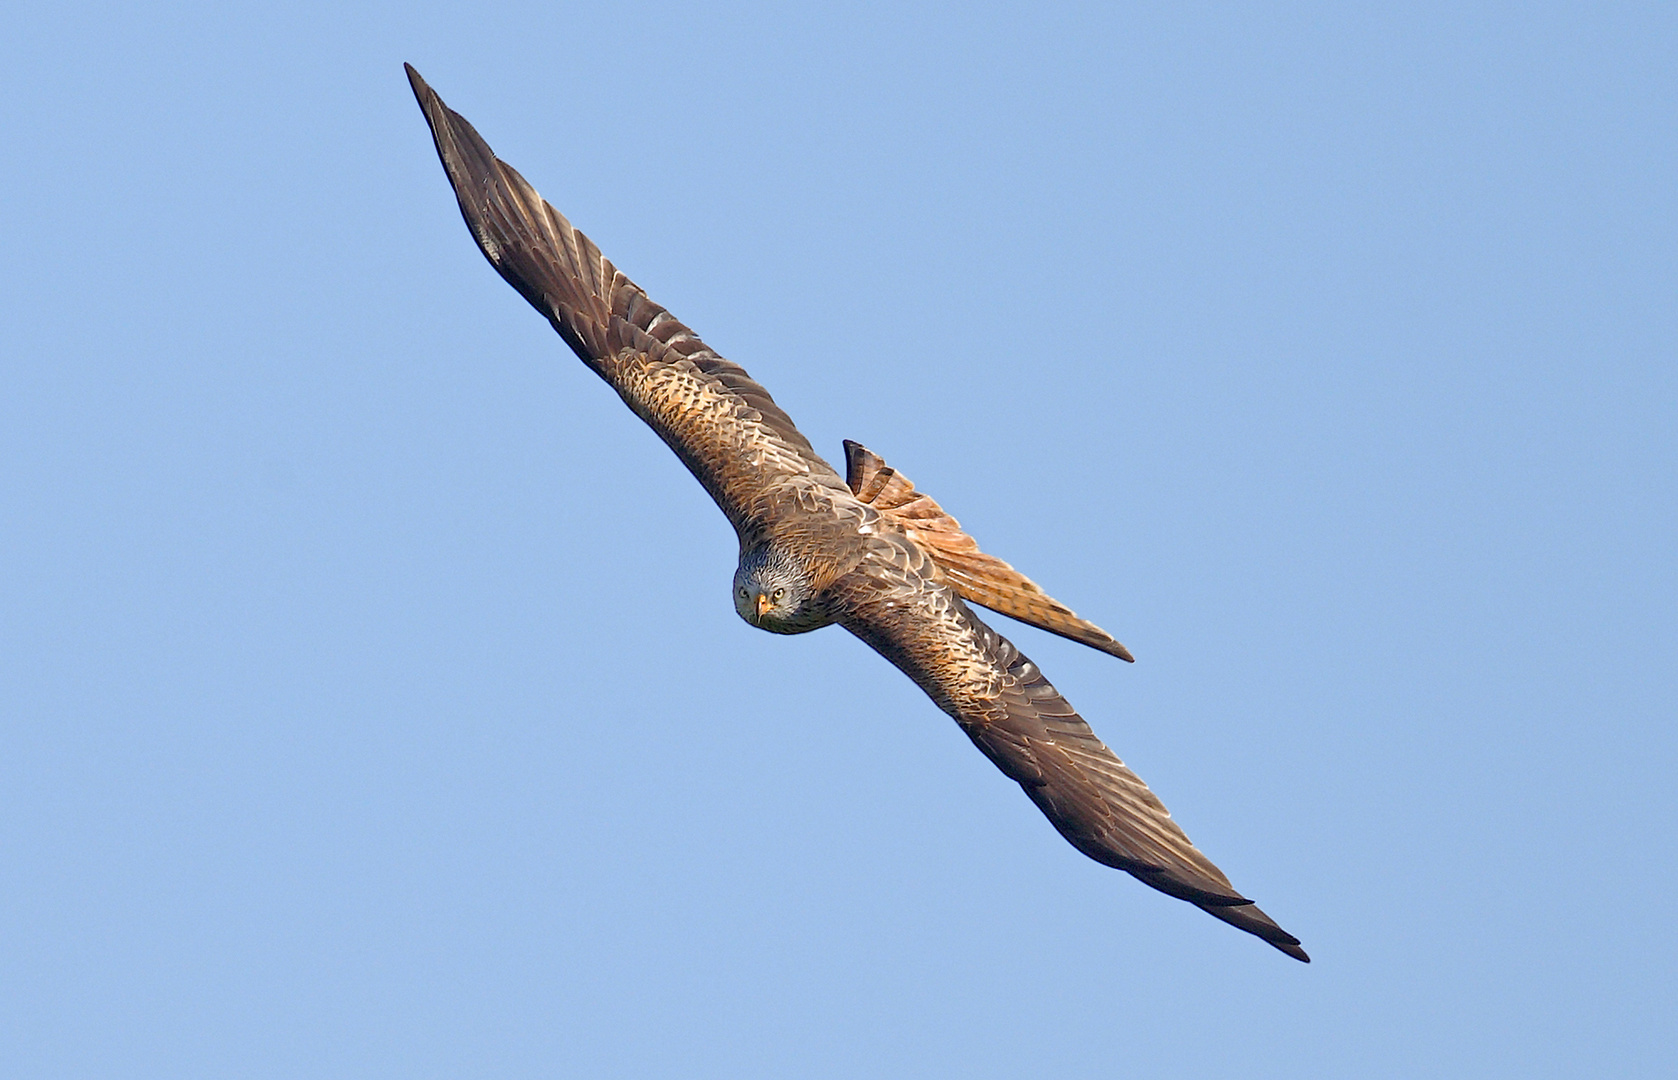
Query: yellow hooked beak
762,604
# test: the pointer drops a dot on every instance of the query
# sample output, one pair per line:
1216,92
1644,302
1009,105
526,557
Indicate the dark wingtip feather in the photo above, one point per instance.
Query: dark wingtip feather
481,186
1249,918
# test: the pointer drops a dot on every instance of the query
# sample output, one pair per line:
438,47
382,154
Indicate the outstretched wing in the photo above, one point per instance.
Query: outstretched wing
726,428
1012,714
979,578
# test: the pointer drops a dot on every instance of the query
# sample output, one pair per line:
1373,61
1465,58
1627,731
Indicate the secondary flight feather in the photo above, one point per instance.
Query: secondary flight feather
865,551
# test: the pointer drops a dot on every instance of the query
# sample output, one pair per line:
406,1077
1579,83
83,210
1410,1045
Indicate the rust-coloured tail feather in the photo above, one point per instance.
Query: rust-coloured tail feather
979,578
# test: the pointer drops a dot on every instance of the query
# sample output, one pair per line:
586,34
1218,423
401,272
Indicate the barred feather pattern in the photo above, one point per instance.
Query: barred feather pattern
1018,720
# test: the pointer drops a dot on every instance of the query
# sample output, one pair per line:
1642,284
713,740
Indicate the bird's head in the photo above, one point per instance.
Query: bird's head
773,592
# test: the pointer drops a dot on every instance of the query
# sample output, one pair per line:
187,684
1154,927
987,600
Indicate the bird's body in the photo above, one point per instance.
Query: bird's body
866,550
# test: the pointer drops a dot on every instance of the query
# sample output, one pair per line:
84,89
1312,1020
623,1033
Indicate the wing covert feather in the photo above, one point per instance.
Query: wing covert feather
1025,727
724,426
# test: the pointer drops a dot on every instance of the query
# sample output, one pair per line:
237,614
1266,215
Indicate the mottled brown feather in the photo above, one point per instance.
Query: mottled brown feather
979,578
886,560
1029,731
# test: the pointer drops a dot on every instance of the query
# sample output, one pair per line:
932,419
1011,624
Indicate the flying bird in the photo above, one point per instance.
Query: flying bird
865,551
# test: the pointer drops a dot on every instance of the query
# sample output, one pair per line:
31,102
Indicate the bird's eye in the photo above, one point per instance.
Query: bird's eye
776,596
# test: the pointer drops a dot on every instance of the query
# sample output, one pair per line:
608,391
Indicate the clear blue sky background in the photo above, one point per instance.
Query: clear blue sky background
372,701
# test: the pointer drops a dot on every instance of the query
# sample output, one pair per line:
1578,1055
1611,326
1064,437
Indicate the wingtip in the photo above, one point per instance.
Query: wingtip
422,89
1248,917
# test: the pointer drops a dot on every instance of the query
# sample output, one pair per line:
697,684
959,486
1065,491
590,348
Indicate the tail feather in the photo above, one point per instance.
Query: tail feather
979,578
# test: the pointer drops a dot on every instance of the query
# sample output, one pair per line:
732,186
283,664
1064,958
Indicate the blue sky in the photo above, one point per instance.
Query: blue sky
372,701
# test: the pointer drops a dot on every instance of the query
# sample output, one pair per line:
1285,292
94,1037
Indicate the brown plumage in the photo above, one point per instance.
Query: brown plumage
867,551
982,579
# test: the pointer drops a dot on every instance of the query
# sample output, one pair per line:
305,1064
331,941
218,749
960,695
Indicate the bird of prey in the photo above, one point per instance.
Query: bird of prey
865,551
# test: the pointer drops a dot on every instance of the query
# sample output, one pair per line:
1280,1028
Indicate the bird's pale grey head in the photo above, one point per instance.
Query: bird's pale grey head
773,592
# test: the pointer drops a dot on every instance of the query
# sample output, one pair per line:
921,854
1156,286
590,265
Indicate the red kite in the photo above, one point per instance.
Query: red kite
865,551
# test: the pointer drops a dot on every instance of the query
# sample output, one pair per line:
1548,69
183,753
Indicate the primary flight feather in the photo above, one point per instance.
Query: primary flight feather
865,551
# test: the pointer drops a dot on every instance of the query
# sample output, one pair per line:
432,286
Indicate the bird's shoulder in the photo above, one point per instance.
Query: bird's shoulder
820,525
